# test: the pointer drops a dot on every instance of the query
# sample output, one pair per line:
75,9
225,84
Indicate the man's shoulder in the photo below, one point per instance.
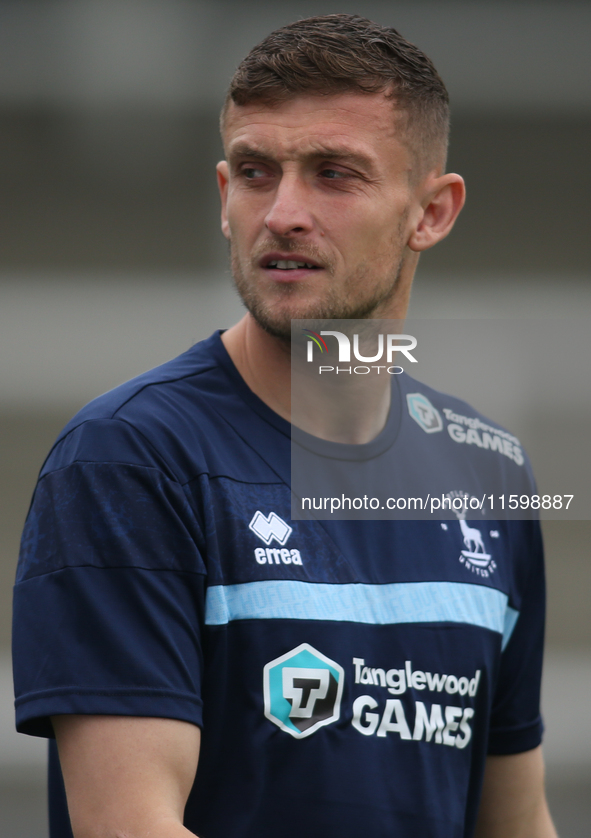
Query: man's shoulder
187,368
126,423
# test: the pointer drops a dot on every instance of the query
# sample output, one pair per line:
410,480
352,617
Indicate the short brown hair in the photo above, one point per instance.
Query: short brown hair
340,53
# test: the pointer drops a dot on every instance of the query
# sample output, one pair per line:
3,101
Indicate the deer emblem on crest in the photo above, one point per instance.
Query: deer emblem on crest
474,544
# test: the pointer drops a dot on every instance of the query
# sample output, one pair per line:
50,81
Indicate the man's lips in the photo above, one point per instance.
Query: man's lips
289,266
288,261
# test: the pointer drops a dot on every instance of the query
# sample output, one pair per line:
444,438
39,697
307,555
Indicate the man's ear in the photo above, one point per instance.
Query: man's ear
223,181
443,199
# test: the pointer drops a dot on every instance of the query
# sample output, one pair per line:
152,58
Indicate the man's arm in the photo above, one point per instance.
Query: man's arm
127,776
513,801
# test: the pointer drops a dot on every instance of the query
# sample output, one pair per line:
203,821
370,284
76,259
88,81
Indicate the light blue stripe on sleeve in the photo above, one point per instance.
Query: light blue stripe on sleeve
511,616
399,602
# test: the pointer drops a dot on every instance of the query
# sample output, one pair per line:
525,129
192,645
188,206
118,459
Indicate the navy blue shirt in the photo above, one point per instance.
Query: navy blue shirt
349,677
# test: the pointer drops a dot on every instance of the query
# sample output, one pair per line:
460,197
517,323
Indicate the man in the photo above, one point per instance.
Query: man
157,636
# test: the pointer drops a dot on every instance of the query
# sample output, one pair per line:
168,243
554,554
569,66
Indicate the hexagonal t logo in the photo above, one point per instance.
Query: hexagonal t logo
423,412
302,691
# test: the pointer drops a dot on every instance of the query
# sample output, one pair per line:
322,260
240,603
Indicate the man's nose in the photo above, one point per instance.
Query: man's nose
290,213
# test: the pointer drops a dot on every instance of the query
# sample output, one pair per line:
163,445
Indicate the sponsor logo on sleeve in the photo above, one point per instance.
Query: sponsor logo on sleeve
470,430
465,430
423,412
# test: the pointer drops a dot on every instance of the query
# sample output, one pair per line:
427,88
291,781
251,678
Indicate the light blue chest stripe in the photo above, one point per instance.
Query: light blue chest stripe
399,602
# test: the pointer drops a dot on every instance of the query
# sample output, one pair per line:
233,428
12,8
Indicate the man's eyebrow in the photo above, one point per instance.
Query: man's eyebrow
242,149
319,152
346,155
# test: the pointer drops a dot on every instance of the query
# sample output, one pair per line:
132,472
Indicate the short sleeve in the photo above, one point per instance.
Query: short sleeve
109,595
516,724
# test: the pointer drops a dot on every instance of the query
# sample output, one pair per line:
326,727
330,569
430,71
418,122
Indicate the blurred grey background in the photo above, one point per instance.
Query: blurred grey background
111,260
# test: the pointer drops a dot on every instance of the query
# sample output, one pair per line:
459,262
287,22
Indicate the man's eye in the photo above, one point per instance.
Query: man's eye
332,174
251,173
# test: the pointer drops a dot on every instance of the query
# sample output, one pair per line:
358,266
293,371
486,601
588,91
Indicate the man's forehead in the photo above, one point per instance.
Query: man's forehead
336,122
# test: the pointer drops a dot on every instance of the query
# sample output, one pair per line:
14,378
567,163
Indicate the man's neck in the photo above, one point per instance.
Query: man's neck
263,361
354,414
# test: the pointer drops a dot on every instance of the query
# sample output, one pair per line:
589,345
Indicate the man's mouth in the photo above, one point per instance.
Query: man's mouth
290,265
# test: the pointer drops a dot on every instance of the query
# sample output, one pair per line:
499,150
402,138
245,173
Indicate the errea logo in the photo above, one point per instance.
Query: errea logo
269,527
302,691
273,528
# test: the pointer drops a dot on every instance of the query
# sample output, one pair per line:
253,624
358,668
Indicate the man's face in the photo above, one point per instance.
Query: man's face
318,202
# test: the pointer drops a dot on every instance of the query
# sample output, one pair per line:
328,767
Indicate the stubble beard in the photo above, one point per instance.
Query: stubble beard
334,307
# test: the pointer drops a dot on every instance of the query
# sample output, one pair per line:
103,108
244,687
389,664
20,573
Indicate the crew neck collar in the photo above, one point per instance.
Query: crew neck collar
322,447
